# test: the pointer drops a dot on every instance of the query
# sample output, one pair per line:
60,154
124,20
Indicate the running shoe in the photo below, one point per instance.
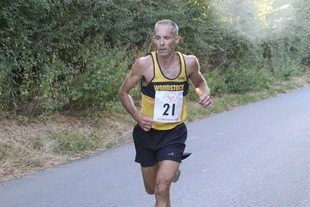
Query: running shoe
176,176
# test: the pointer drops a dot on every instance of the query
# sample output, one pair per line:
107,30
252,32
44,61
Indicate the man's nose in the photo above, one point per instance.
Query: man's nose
162,42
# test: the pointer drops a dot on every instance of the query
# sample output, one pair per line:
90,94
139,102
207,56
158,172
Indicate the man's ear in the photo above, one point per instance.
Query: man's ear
177,39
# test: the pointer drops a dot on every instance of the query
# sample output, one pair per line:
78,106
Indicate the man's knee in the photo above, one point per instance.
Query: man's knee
149,190
162,189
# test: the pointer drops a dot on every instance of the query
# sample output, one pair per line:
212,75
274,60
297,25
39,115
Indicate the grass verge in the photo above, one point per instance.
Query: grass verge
29,144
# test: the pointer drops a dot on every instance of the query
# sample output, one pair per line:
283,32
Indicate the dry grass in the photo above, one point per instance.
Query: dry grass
30,144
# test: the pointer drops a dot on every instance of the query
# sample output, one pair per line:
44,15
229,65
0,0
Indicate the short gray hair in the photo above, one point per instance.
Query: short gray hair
175,28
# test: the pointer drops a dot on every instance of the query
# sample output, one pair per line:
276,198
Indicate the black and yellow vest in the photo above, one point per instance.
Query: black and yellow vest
160,83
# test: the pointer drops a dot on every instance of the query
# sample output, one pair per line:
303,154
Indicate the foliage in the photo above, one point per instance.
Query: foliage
72,54
101,79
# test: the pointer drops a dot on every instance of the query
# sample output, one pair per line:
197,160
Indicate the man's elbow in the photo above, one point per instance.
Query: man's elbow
121,93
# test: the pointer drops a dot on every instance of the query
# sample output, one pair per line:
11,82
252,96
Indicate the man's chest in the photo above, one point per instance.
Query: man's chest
161,75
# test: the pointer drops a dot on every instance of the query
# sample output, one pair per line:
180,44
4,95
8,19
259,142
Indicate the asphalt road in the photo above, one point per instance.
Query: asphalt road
252,156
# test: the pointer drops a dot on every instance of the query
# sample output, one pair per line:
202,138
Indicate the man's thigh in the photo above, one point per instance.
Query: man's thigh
149,175
166,171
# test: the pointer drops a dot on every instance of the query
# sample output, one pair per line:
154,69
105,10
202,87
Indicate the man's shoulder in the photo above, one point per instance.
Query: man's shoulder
143,64
192,64
190,59
145,60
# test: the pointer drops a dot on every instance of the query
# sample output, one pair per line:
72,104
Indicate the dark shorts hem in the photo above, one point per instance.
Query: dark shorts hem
159,145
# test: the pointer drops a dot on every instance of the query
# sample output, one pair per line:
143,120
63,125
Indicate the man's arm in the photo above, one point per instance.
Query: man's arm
130,81
198,82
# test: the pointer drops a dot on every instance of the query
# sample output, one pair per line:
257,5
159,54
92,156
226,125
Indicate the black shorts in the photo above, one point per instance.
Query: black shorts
158,145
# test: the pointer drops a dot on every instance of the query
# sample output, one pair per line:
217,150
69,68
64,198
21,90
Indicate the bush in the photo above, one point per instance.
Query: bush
59,55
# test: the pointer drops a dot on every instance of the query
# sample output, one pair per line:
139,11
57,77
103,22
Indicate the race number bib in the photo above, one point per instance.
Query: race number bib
168,106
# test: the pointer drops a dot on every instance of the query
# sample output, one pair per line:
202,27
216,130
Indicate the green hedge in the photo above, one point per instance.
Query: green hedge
74,54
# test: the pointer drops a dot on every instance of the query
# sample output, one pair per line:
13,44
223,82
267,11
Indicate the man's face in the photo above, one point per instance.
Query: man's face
164,40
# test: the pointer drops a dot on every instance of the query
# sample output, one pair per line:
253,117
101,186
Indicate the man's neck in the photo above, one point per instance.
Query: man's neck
167,62
170,65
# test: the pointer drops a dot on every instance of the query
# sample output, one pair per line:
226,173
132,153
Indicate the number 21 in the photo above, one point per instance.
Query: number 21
167,106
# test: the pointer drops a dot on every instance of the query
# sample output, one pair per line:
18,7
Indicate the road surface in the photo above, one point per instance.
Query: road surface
256,155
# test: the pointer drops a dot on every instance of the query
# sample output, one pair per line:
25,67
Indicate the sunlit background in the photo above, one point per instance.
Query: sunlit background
256,19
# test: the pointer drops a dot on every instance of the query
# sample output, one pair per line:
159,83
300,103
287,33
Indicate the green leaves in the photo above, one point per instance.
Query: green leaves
68,54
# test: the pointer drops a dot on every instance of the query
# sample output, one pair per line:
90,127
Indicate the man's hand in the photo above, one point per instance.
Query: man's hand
205,101
145,122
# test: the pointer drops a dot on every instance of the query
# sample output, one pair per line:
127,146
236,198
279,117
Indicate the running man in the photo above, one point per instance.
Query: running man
160,133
